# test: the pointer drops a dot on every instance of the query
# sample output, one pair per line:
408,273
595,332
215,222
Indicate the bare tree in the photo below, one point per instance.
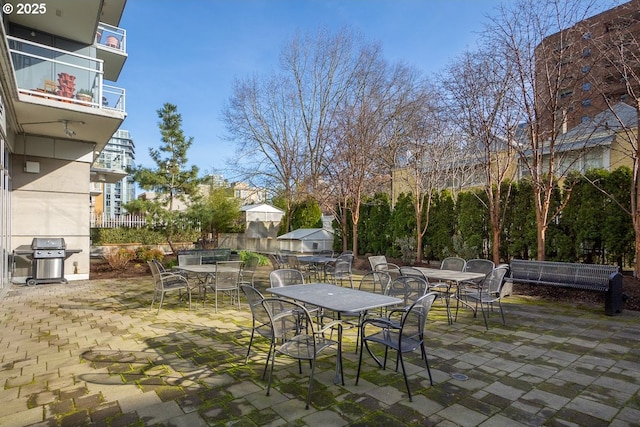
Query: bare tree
280,122
482,105
544,81
378,95
429,159
619,48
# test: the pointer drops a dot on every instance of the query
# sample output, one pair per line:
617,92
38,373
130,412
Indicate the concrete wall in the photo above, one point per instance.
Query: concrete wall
53,201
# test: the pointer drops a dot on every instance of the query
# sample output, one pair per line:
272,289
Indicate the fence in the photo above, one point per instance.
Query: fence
130,221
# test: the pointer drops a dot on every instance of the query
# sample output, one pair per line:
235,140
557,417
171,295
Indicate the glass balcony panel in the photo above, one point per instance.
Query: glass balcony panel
112,37
52,73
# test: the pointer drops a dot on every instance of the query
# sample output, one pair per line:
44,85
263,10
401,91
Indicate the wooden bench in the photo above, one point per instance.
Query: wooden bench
209,256
591,277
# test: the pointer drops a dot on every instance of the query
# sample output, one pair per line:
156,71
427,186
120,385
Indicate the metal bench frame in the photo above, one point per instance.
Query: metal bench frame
209,256
591,277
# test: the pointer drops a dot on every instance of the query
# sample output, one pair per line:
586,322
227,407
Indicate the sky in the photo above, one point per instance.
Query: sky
189,53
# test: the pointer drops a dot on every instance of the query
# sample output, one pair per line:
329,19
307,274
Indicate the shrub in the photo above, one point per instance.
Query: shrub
119,258
245,255
146,254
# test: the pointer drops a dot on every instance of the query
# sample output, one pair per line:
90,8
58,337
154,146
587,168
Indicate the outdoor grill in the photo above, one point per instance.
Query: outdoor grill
47,259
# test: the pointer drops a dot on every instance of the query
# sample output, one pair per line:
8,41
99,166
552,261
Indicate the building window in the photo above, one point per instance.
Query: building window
586,102
586,86
586,36
586,52
585,119
565,93
586,68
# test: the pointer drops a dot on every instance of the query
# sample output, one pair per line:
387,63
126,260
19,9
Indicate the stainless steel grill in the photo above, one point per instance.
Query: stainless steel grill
47,256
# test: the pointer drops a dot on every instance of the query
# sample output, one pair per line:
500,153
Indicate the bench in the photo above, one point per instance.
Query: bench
209,256
590,277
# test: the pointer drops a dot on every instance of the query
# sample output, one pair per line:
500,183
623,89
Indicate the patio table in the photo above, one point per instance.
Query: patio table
317,262
335,298
449,277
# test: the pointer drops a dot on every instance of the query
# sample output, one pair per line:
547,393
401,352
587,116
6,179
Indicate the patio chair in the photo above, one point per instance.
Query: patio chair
226,281
165,281
292,261
392,269
295,336
191,259
285,277
249,270
476,266
372,281
260,320
340,270
404,336
276,261
409,288
444,289
375,260
490,292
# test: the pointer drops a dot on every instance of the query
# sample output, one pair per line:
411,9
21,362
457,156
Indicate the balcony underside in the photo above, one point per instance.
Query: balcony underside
37,115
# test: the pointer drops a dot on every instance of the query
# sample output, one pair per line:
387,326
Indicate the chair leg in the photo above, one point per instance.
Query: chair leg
426,361
313,369
246,359
404,373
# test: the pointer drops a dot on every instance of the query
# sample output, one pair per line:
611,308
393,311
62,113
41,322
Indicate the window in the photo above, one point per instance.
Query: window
586,36
585,119
586,52
586,86
565,93
585,69
586,102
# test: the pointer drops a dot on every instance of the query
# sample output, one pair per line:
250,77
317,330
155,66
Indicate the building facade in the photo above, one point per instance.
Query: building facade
581,71
117,156
58,110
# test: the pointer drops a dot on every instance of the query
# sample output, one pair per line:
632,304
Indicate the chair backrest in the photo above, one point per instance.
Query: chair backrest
479,266
286,317
375,281
495,280
189,259
376,260
254,298
285,277
292,261
155,272
276,262
453,263
227,274
343,264
414,320
412,271
409,288
250,265
392,269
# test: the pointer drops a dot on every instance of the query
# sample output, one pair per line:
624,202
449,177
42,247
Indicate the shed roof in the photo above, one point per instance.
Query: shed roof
262,207
307,234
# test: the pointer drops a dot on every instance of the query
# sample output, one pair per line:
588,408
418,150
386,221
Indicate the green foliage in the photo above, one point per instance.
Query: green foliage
374,236
171,180
520,222
218,213
305,214
442,227
473,223
144,236
402,223
146,254
245,255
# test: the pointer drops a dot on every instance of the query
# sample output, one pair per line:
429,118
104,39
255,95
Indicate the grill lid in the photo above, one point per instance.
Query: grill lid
48,243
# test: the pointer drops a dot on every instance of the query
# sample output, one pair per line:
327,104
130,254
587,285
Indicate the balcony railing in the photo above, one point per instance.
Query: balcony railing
47,72
112,37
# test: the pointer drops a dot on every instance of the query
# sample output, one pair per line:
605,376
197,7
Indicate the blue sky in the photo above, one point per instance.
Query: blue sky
189,52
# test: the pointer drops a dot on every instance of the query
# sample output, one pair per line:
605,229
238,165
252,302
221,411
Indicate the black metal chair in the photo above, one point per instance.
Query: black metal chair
491,291
403,336
261,324
165,281
295,336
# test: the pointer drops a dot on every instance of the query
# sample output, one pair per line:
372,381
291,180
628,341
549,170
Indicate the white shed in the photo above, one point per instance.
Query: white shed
306,240
262,213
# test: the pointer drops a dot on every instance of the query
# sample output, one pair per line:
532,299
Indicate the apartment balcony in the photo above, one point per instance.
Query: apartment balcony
111,47
108,173
62,94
